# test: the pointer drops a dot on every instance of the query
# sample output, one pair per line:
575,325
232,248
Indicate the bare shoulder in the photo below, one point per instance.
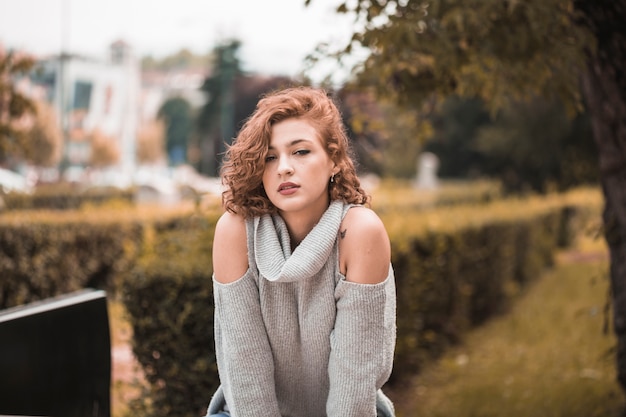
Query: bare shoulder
230,251
231,222
363,220
364,247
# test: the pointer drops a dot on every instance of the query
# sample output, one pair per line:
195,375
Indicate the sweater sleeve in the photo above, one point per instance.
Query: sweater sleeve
244,357
362,346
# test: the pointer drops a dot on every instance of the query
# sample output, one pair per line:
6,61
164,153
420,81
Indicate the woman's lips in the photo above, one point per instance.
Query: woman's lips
288,188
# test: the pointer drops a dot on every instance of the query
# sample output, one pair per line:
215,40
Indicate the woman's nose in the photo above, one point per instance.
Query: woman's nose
285,166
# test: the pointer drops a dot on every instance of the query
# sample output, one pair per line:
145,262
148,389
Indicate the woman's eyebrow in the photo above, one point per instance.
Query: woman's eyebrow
293,142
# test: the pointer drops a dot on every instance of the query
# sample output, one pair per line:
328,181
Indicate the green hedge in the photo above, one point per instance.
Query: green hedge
448,282
65,197
170,302
45,253
44,256
456,268
157,259
398,195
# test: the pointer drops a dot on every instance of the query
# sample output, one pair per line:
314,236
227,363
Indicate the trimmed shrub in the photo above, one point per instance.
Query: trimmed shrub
66,197
43,256
169,298
45,253
457,267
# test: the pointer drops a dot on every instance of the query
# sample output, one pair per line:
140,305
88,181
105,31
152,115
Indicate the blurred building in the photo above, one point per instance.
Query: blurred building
112,96
92,95
157,86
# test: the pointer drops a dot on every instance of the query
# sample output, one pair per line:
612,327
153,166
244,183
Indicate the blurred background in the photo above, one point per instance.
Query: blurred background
130,92
113,75
490,135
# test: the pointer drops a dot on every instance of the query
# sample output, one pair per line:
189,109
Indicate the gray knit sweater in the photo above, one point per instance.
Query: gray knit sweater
293,338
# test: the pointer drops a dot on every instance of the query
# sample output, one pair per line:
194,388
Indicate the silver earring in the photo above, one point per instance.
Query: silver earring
332,178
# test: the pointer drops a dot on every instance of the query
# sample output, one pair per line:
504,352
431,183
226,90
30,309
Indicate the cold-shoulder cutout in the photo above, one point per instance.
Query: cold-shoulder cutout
230,250
364,248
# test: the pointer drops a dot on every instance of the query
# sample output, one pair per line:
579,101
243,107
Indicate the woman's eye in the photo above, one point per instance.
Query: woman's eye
269,158
302,152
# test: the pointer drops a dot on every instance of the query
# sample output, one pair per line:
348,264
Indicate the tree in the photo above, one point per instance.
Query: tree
571,51
526,145
534,145
216,118
406,136
384,142
455,127
17,112
365,127
604,87
177,115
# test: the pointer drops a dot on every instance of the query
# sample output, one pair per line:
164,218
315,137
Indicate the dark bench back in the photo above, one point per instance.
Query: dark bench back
55,357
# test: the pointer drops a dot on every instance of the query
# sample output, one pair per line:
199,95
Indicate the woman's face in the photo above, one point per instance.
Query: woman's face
297,169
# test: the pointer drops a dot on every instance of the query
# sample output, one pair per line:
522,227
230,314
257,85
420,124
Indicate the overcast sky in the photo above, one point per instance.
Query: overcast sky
276,35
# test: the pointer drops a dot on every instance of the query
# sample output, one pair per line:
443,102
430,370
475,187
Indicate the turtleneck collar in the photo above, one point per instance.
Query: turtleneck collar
273,254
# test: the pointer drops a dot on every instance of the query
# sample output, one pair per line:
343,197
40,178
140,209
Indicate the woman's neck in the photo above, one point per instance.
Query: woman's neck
300,223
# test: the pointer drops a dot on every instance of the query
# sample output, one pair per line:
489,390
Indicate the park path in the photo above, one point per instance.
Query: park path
126,375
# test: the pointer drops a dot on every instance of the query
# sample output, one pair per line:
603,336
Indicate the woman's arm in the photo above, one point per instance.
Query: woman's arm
244,357
363,340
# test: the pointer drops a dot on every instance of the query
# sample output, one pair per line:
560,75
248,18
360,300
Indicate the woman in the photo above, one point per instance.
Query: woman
303,285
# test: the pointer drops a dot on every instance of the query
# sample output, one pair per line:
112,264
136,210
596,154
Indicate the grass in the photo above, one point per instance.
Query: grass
550,356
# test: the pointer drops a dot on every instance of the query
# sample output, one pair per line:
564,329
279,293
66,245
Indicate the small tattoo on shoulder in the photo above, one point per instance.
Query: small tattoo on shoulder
342,233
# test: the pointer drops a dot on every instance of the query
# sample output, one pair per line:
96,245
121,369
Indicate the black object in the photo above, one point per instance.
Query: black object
55,357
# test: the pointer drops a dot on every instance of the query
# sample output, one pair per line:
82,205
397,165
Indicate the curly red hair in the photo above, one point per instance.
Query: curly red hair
244,161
